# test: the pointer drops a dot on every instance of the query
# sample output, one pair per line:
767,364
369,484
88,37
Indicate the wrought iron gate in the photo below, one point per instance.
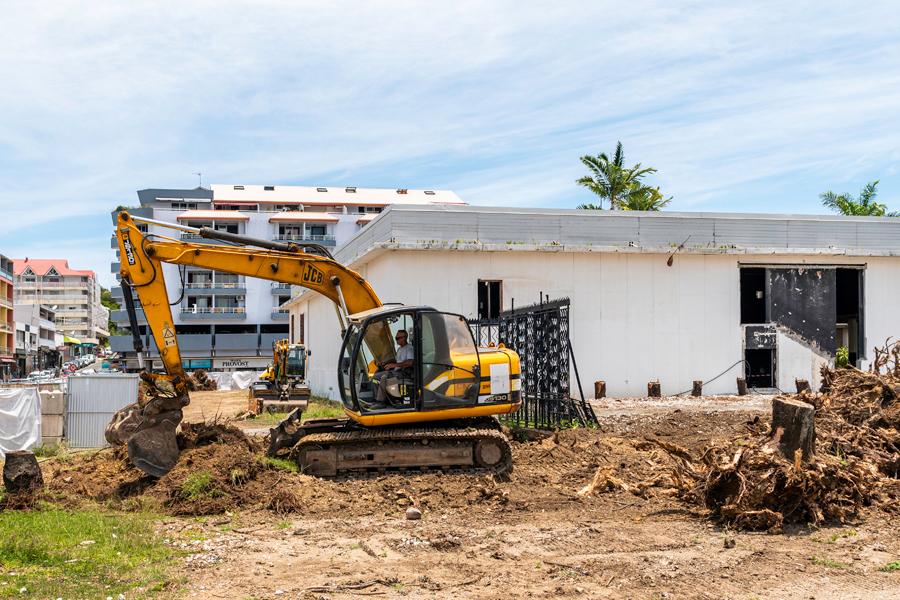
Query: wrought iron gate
539,333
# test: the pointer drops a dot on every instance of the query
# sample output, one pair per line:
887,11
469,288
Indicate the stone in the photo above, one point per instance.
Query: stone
413,513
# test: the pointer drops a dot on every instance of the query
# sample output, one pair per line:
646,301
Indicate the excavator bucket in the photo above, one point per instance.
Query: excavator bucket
149,432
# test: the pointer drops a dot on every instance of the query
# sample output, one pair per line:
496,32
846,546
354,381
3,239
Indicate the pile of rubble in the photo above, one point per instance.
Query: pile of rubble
200,381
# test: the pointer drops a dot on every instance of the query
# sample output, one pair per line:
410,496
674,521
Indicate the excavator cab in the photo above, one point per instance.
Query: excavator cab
445,372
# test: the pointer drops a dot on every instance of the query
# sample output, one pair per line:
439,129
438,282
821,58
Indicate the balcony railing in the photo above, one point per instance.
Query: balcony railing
5,328
208,285
81,285
327,240
215,310
5,302
7,274
279,314
7,351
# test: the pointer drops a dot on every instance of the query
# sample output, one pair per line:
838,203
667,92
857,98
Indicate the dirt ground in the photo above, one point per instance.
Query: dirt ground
528,537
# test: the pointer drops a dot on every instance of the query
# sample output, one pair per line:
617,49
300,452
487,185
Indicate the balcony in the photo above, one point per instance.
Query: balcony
217,287
7,351
323,240
214,313
74,285
5,328
279,315
115,267
281,288
5,302
7,274
120,317
196,239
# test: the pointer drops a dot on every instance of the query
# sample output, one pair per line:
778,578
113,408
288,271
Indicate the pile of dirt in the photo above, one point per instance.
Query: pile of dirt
747,484
200,381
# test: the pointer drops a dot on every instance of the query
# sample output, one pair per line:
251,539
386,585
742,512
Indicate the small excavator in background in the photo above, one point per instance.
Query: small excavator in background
282,387
436,410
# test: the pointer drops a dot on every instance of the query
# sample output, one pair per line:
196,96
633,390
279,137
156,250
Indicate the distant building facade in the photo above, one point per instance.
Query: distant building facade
37,341
73,295
228,322
7,319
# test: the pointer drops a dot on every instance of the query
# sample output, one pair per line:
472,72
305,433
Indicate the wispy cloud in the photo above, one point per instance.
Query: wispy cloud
740,107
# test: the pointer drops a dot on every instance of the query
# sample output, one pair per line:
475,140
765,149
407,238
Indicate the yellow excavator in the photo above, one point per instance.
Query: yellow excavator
428,401
282,386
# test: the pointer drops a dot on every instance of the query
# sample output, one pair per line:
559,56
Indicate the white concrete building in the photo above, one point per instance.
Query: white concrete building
228,322
769,297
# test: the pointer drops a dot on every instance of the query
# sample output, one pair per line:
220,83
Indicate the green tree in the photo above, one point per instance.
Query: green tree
864,206
107,300
612,180
646,199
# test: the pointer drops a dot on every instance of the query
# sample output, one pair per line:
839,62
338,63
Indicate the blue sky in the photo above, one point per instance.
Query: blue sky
758,107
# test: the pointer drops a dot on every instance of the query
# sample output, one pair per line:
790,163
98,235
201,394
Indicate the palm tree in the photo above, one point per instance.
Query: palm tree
864,206
610,179
646,199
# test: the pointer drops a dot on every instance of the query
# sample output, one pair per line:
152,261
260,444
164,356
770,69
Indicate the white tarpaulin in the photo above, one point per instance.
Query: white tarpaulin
236,380
20,419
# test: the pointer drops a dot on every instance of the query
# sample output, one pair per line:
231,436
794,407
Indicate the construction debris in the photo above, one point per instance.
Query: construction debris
200,381
765,480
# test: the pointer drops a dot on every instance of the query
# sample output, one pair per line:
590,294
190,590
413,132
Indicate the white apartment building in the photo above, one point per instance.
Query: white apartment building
37,340
73,295
228,322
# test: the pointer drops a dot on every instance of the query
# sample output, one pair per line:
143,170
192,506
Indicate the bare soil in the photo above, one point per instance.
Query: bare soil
269,533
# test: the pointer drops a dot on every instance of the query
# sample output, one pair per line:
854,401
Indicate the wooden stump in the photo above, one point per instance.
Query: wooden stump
654,389
794,428
600,389
697,390
742,386
21,472
802,385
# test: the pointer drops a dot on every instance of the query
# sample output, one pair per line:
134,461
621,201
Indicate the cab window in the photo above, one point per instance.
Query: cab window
450,366
380,385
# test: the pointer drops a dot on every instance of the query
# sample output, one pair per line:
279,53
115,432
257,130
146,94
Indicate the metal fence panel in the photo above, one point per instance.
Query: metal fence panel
92,401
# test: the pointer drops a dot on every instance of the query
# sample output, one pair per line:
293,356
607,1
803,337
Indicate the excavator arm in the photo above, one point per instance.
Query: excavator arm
148,428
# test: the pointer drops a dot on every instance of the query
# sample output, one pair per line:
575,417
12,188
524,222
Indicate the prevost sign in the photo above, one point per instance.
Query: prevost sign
240,363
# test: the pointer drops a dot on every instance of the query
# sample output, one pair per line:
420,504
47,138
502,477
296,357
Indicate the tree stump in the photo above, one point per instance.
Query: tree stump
600,389
21,472
742,386
802,385
654,389
794,428
697,390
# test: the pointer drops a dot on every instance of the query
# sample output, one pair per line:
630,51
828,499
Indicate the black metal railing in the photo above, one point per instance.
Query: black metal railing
539,333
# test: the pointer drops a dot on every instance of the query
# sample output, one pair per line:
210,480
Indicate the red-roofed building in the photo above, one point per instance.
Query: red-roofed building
72,294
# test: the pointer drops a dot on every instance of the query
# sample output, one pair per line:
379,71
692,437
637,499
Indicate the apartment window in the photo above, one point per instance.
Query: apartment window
239,187
286,207
318,230
269,188
184,205
370,209
350,190
490,299
227,227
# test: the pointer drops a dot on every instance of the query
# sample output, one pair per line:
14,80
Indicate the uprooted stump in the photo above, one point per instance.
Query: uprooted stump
793,428
21,472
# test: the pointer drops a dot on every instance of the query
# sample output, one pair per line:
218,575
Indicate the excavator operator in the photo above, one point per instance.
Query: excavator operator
400,368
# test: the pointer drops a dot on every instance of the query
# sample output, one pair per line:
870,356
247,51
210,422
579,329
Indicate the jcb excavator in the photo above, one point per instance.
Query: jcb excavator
282,386
434,410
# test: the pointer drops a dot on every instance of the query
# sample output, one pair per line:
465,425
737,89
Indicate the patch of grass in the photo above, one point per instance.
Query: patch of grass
50,450
318,408
85,554
284,525
891,567
827,562
198,485
842,534
282,464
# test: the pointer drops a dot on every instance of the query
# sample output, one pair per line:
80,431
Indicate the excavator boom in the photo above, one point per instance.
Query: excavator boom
148,428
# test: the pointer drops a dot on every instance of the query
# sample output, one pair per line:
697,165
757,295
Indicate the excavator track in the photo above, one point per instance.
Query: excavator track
401,448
